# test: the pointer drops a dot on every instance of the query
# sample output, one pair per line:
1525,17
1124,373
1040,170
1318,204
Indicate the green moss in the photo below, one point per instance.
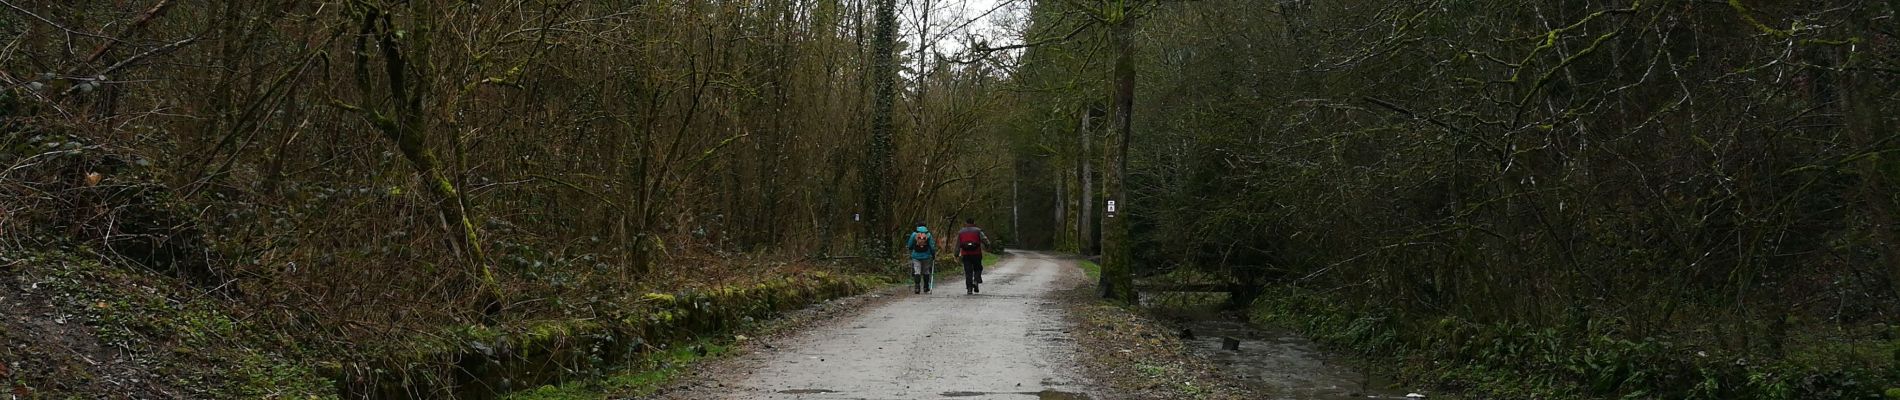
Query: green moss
260,375
193,340
568,392
1093,270
553,331
653,371
590,350
661,298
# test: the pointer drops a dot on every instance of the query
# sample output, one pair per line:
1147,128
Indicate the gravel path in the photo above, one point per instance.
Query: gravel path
1008,342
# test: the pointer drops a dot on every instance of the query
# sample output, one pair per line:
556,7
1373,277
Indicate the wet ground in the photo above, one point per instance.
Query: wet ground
1008,342
1286,365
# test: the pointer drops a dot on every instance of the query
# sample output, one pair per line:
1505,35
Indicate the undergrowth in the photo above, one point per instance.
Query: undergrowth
1515,360
486,361
130,326
636,380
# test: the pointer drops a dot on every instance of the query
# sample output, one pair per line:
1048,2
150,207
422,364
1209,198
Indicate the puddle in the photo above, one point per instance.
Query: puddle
1055,395
806,391
1042,395
1279,362
1287,364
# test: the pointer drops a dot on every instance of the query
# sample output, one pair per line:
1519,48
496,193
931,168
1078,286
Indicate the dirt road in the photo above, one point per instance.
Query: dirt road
1008,342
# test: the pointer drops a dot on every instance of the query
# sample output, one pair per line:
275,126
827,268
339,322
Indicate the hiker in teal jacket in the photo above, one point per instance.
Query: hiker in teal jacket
923,254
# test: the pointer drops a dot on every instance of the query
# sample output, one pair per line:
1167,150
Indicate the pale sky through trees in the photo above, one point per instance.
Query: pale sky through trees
954,22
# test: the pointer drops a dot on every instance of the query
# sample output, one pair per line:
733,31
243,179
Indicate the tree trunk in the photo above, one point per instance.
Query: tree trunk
876,179
405,124
1117,267
1062,206
1085,221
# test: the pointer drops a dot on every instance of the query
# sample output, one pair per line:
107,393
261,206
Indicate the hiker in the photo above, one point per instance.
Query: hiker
970,242
923,256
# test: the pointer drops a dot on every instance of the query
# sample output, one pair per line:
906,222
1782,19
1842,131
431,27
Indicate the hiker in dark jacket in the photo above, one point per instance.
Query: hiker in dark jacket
923,257
970,242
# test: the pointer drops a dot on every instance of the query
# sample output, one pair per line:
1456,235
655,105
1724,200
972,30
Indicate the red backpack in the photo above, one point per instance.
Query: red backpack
971,241
920,242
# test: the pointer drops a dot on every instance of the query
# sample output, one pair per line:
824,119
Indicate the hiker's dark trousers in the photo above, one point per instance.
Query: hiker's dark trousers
973,268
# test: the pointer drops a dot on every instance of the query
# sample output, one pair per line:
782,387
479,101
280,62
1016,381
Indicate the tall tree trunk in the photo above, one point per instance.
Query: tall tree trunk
1062,206
876,176
1117,268
1085,221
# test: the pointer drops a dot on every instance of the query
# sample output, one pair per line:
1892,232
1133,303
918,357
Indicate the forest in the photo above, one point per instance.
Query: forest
1625,198
1676,199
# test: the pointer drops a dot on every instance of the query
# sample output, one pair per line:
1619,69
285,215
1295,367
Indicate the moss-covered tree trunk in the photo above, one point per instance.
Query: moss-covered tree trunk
876,175
1118,280
404,122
